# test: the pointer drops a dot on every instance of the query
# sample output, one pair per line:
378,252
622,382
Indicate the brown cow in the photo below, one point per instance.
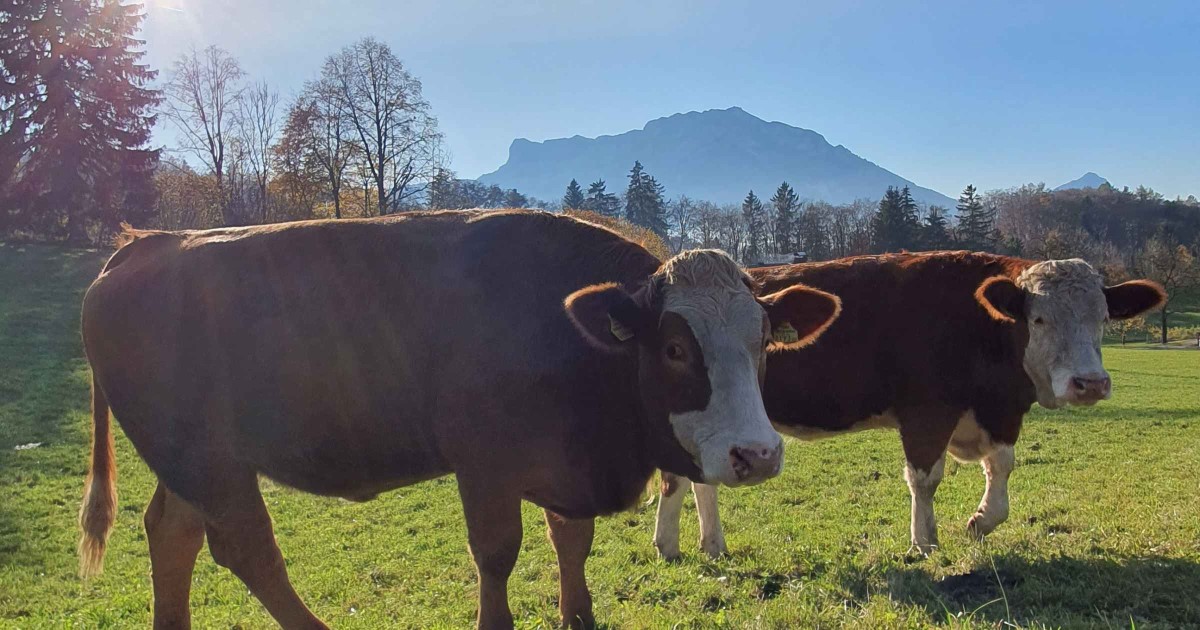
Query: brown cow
535,356
951,348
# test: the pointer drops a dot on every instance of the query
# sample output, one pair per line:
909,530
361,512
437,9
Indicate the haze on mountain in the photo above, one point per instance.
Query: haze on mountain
1087,180
716,155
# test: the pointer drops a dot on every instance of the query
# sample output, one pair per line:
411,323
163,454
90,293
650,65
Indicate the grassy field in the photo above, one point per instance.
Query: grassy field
1105,526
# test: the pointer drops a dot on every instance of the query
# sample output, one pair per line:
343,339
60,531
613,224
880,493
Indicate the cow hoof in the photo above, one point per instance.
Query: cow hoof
921,550
980,526
975,528
583,621
714,548
668,553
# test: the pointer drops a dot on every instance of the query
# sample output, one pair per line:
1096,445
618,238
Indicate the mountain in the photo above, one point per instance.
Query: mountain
1088,180
717,155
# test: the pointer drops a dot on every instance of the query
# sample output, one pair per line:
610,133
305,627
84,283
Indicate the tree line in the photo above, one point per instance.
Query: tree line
78,104
1124,233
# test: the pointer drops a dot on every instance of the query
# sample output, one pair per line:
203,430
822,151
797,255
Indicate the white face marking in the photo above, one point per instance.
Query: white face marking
729,331
1066,311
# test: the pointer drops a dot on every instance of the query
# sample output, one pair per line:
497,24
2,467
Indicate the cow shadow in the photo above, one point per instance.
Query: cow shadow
1057,592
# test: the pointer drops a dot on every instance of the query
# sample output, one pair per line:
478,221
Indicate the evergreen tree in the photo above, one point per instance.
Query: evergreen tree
786,203
813,232
645,204
755,218
573,199
443,191
601,202
976,224
514,199
935,233
75,115
895,225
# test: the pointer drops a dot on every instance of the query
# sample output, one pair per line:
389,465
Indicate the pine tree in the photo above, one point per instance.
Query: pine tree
976,223
573,199
755,218
601,202
895,223
645,204
85,121
935,233
786,203
443,190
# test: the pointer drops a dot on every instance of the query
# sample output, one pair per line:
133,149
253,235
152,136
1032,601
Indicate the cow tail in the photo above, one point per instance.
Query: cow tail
99,508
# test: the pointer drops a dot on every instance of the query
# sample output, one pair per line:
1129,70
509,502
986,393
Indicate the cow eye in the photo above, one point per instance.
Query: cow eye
1038,320
674,351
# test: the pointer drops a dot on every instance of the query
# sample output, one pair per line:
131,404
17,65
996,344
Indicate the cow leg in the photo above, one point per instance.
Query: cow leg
925,437
242,540
922,484
572,539
494,535
993,509
666,521
175,532
712,538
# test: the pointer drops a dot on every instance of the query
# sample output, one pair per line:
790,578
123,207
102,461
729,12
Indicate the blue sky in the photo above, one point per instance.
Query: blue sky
944,93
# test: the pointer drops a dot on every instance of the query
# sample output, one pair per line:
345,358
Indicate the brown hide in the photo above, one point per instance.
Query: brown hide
911,339
350,357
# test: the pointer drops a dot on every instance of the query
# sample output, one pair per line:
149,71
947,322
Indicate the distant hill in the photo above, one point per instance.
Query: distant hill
717,155
1088,180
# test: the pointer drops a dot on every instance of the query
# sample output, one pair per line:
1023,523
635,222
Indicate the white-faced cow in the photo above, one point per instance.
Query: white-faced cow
534,356
951,348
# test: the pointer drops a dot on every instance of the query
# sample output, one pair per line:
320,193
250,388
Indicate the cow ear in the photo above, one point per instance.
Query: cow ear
799,315
605,314
1130,299
1002,299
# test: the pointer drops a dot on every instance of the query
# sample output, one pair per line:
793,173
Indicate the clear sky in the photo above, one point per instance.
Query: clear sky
944,93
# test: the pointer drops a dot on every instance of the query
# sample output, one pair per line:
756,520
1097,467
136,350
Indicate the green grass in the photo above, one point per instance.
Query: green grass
1104,532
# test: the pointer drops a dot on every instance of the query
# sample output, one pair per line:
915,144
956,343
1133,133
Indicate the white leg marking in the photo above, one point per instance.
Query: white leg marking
666,521
712,539
993,509
922,485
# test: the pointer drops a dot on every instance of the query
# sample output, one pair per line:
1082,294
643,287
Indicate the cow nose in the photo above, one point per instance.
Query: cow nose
1091,388
756,463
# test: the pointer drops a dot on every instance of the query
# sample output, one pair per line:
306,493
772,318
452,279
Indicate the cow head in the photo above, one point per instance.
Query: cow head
701,337
1065,305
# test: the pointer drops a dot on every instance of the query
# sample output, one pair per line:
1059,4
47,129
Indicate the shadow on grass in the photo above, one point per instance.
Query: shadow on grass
1061,591
43,375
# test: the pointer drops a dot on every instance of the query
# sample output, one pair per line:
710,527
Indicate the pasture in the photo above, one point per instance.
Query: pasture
1104,531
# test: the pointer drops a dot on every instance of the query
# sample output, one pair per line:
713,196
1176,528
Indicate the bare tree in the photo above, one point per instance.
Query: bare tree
329,136
202,98
396,134
682,212
258,124
732,230
1171,265
708,222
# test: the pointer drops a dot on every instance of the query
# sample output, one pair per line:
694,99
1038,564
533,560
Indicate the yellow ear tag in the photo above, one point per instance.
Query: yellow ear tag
619,330
784,333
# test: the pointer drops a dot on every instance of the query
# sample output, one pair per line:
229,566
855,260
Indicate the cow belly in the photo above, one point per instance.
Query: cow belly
352,460
885,420
970,442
